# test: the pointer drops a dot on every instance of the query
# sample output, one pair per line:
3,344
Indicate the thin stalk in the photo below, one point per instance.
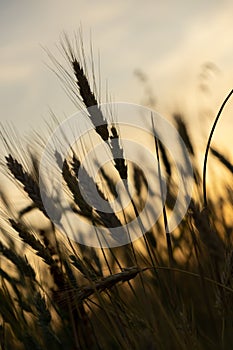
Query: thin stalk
208,146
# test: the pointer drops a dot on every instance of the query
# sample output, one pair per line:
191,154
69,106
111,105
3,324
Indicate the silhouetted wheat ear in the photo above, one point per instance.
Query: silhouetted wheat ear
183,131
98,120
165,158
34,243
109,182
44,319
29,184
73,185
118,154
22,265
76,164
222,159
109,219
88,97
42,252
95,114
105,283
139,179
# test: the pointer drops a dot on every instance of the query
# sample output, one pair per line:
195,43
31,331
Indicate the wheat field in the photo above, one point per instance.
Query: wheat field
165,290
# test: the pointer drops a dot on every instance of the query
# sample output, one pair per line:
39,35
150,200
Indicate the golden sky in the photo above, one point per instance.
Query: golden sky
169,41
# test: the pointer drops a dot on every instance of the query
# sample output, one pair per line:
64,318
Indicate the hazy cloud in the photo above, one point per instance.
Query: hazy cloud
168,40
